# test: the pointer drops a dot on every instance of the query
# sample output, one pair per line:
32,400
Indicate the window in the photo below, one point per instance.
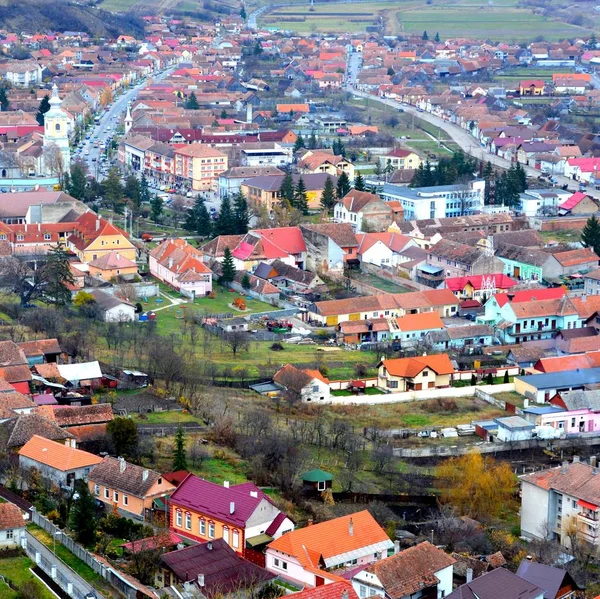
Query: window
57,126
96,489
20,237
211,530
392,384
125,500
321,485
572,421
116,496
188,521
47,236
226,534
203,527
425,373
363,591
9,534
236,538
278,563
106,494
315,388
179,518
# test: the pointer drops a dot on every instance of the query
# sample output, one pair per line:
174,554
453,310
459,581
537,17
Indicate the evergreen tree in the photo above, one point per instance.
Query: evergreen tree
4,102
521,177
60,275
437,37
192,102
338,148
258,48
488,177
144,190
243,13
191,218
83,516
226,222
328,198
312,141
359,182
590,236
592,41
343,185
42,110
113,190
390,72
179,455
77,181
228,268
241,217
156,208
424,36
223,114
299,143
132,190
204,224
300,198
246,281
286,191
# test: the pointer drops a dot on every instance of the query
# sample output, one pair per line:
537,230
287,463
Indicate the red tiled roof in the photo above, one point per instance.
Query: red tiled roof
335,590
530,295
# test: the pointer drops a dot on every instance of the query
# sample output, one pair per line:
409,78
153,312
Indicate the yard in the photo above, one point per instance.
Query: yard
17,570
379,283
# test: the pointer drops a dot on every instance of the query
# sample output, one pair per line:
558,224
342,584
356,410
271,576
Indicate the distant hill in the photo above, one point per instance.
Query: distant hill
33,16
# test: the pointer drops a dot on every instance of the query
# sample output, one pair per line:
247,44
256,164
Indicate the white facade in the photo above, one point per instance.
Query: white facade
11,537
27,75
342,215
57,124
121,313
542,202
190,289
316,391
62,478
276,156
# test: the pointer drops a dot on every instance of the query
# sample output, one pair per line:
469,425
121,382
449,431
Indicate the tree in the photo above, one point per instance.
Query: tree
4,102
300,197
343,185
390,72
328,198
192,102
299,143
144,190
312,141
590,236
132,190
359,183
228,268
424,36
123,434
77,180
437,37
236,341
477,487
243,13
338,147
156,208
59,276
241,218
179,455
44,107
246,283
286,191
226,221
258,48
112,190
54,163
223,114
488,177
83,514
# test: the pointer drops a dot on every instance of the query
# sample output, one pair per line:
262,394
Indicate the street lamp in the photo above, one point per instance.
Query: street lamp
55,534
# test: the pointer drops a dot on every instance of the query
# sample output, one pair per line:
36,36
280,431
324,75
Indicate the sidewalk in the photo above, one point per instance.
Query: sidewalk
65,576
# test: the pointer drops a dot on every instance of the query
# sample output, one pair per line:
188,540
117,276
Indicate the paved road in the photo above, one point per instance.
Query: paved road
465,140
80,587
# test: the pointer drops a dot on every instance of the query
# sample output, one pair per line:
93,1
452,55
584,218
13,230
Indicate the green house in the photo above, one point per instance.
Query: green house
317,480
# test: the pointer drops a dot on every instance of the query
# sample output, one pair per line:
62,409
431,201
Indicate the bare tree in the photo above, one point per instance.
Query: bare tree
236,341
382,457
54,162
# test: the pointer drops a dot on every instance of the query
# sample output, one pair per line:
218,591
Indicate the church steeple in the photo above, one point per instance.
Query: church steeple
128,123
56,133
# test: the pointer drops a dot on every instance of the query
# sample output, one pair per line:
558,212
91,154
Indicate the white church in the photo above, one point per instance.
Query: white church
57,153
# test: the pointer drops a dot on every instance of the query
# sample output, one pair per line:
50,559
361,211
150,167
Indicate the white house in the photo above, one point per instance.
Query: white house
22,73
113,309
514,428
383,249
310,385
420,571
12,526
542,202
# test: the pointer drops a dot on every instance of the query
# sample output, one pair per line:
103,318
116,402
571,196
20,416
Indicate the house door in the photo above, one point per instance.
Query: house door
418,386
518,327
517,272
554,324
319,581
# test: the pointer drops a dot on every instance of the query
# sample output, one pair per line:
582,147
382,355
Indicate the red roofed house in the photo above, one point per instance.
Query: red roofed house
242,515
310,556
400,159
578,203
12,526
336,590
473,287
14,367
582,169
112,265
531,87
414,374
180,265
308,384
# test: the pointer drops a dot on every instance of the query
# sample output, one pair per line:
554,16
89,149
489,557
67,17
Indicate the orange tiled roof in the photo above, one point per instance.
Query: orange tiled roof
57,456
410,367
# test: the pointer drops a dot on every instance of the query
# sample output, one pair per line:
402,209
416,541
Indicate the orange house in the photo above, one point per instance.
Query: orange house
128,488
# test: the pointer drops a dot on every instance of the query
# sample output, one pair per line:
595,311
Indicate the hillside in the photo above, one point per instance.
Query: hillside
39,15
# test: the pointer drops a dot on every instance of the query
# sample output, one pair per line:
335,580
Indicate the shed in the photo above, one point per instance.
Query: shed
514,428
317,480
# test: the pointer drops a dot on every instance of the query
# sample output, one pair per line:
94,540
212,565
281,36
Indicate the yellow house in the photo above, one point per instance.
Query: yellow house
319,161
415,374
112,265
399,159
95,237
129,488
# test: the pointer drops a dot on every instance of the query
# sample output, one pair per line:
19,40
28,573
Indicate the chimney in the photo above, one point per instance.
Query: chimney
575,459
98,224
469,575
122,464
564,467
209,545
226,484
231,507
351,527
39,227
310,522
254,494
145,475
200,580
345,594
396,547
593,461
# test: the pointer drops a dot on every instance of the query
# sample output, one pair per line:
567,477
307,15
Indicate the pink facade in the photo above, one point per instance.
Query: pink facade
574,421
188,284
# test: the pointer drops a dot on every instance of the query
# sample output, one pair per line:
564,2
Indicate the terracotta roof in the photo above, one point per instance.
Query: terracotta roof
575,257
40,347
48,371
11,354
111,261
56,455
67,416
552,307
340,233
25,426
410,570
335,590
357,534
458,252
424,321
355,201
10,516
134,480
294,378
501,281
411,367
15,401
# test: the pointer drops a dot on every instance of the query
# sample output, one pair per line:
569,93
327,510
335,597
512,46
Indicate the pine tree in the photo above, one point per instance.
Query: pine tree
243,13
488,177
300,198
225,222
592,41
4,102
246,281
437,37
191,218
299,143
59,277
359,182
228,268
204,224
241,217
343,185
112,190
312,141
521,177
424,36
42,110
77,181
156,208
590,236
328,198
132,190
192,102
286,191
258,48
144,190
83,516
179,455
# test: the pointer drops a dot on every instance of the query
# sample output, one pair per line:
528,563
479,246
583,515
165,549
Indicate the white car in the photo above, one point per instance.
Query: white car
87,152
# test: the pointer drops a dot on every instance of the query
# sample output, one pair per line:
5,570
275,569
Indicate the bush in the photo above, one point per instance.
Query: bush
360,370
324,370
277,347
441,404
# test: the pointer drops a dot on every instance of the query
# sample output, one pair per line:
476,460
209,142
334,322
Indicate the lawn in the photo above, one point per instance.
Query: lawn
118,5
17,569
170,417
382,284
564,236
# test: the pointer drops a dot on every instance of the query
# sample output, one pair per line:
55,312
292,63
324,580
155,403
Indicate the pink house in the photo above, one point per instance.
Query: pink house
178,264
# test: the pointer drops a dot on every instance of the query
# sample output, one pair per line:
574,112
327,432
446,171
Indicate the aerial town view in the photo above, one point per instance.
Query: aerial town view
299,299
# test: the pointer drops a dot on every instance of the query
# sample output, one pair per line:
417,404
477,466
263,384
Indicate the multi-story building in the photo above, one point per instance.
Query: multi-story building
22,74
437,202
199,166
562,503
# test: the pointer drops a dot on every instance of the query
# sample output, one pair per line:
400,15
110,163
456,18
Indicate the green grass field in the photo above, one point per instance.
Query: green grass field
17,569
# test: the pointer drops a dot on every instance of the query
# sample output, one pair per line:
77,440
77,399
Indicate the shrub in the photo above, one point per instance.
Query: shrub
441,404
360,370
277,347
